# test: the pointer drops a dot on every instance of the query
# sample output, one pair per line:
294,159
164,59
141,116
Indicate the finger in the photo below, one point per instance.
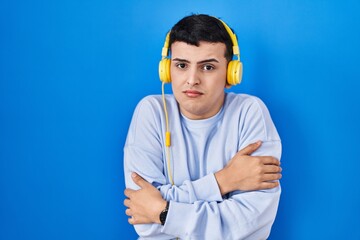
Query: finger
272,169
128,212
249,149
127,202
136,220
128,192
139,219
132,220
138,180
269,160
272,177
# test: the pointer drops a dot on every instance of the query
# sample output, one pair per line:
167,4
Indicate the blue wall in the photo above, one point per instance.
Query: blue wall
71,73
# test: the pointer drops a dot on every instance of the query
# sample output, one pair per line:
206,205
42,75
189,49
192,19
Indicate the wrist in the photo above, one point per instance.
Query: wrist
221,180
163,214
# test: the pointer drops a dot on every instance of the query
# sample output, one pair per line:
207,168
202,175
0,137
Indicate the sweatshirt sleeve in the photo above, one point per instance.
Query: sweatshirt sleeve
241,215
143,154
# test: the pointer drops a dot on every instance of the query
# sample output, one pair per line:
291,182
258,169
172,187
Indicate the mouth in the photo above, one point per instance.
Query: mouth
192,93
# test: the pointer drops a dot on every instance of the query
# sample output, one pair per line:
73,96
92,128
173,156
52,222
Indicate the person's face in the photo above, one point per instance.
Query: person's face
198,76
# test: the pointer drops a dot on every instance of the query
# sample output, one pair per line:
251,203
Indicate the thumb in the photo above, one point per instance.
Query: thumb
249,149
138,180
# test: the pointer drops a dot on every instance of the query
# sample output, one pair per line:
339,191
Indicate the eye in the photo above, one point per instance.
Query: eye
180,65
208,67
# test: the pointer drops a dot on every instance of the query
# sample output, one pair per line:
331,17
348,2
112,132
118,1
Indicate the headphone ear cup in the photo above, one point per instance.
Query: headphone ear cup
234,72
164,70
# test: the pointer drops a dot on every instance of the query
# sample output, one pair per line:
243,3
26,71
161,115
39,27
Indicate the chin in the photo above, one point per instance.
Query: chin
193,112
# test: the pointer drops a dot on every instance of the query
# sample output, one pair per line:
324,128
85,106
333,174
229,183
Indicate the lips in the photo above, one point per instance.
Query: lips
192,93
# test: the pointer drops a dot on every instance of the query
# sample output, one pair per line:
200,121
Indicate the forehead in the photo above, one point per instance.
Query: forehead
203,51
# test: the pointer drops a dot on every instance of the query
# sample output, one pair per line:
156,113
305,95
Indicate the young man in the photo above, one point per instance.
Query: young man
218,179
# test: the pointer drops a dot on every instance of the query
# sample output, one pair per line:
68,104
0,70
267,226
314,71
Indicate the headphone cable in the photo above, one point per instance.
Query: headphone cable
167,134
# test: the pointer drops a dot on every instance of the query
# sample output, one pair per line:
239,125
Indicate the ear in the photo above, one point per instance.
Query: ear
227,86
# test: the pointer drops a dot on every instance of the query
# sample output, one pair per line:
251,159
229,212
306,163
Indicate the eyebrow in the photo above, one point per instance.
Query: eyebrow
201,62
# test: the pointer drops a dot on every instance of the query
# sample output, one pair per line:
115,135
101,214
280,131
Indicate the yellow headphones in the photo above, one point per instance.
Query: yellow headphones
234,69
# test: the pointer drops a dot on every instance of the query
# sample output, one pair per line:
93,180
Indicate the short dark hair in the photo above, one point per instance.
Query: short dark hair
201,27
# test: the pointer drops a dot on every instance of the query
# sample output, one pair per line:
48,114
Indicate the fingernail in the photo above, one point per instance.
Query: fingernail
133,175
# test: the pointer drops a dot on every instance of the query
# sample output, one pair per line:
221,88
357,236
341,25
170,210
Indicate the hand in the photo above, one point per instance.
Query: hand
247,173
143,205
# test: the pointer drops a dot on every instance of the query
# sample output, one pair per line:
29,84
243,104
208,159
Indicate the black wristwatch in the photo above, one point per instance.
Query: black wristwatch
164,213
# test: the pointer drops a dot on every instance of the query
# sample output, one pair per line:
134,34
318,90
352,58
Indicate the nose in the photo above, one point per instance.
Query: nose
193,78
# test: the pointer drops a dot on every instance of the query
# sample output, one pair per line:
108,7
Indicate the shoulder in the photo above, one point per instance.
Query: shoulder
243,102
251,113
149,104
150,100
155,101
152,107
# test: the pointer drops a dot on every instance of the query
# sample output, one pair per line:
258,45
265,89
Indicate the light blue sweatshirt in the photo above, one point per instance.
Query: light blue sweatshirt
199,148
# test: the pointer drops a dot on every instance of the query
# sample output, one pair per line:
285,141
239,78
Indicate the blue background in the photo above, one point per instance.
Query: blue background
71,73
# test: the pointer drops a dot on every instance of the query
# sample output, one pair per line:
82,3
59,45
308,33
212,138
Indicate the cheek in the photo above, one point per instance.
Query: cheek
174,84
223,81
217,84
176,81
175,87
174,73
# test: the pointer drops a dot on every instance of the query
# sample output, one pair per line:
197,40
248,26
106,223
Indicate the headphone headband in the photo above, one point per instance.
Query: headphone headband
234,70
236,49
165,49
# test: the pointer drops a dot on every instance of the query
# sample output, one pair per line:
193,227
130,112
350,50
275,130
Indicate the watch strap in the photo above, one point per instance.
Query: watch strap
164,213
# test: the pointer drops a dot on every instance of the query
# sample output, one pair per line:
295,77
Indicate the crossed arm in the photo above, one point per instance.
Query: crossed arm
242,173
